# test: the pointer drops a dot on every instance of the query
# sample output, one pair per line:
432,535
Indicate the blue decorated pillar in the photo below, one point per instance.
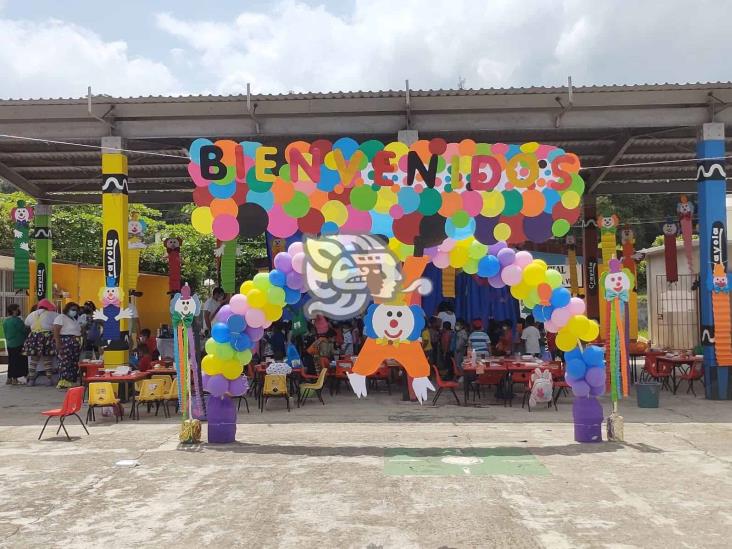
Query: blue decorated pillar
712,189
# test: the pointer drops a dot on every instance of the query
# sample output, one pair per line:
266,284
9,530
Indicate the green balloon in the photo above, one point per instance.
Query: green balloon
298,206
429,201
371,147
482,148
363,198
460,219
244,357
284,172
255,184
224,351
441,164
578,184
230,176
553,278
560,227
471,267
513,202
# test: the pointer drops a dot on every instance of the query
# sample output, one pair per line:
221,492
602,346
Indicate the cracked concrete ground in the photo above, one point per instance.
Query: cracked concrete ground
318,477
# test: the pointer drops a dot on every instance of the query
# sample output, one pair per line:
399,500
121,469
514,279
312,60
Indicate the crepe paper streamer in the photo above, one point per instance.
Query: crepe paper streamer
430,188
627,239
448,282
617,283
722,324
669,251
685,209
135,231
228,267
184,308
172,246
572,264
21,216
608,225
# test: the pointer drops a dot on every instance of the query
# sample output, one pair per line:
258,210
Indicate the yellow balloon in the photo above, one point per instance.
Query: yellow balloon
578,325
335,211
520,290
592,332
570,200
246,286
231,369
272,312
493,203
533,274
202,220
211,365
458,257
256,298
565,340
502,231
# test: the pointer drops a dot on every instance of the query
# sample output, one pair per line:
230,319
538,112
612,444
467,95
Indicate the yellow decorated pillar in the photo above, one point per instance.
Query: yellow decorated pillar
115,213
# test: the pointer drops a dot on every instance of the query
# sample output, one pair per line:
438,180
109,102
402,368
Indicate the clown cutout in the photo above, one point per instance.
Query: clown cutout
184,308
135,230
172,246
21,216
393,329
627,239
608,225
670,230
111,312
685,209
722,324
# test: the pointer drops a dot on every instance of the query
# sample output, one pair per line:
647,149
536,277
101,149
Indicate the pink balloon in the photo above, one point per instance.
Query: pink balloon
472,202
561,316
280,224
447,245
576,306
225,227
496,282
550,326
239,304
512,274
223,315
298,262
357,221
523,258
295,248
255,318
441,260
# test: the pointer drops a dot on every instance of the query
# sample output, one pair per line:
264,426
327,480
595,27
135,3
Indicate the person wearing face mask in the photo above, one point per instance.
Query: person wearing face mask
15,334
67,335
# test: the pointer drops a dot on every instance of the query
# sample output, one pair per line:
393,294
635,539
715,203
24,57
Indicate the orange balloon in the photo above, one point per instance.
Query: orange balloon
283,191
545,293
533,203
302,146
227,146
317,199
422,148
224,206
466,147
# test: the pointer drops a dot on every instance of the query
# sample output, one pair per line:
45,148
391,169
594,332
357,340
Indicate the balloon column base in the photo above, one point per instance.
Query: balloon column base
190,431
615,428
587,414
221,412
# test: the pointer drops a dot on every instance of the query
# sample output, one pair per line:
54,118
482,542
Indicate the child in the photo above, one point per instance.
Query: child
505,342
445,351
531,337
460,337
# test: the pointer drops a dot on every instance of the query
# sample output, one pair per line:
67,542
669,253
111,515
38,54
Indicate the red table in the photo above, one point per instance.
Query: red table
505,365
678,362
162,371
129,380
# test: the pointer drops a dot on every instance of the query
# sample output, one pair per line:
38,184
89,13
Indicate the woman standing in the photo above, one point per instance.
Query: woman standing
39,347
15,333
67,335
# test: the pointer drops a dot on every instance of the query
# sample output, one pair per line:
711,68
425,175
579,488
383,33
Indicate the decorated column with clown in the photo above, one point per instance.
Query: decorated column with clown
21,216
44,258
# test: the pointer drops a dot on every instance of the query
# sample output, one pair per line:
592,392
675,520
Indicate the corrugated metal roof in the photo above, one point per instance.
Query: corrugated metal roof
379,94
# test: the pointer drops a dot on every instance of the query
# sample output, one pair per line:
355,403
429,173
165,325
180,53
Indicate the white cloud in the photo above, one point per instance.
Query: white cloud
53,58
498,43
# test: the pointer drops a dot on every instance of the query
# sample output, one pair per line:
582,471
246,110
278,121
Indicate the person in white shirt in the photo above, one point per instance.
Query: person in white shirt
211,307
447,315
39,345
531,337
67,336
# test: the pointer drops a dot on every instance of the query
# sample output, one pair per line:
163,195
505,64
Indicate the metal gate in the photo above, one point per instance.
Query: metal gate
676,313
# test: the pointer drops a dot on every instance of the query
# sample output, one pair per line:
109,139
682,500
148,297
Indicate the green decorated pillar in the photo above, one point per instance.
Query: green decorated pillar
44,252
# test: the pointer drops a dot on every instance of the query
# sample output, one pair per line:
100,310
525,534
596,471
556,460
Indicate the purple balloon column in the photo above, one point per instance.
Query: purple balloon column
587,414
221,419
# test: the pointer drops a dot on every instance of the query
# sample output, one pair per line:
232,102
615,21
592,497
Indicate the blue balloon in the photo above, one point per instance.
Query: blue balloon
236,324
594,356
560,297
538,313
241,342
576,368
292,296
277,278
220,332
489,266
575,353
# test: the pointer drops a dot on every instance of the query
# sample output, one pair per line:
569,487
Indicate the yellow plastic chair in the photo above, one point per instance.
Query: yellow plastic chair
171,394
101,394
151,392
306,389
275,385
166,379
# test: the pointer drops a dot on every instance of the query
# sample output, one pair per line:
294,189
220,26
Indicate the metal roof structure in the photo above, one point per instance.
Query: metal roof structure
604,125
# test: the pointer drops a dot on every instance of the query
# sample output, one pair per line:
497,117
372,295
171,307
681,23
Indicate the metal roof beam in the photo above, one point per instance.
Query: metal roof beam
688,186
20,182
620,146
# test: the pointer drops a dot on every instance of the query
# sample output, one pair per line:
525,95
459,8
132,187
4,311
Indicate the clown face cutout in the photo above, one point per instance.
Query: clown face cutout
394,322
110,295
617,282
608,222
627,236
185,305
685,208
172,244
135,228
669,228
22,214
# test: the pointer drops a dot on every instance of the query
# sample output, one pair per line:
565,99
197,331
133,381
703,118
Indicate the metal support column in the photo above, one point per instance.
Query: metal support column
589,255
44,249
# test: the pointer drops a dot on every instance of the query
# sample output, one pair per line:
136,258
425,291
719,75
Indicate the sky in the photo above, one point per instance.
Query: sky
137,47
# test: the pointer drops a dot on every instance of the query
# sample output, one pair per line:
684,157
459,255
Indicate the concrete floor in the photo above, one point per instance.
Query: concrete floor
334,476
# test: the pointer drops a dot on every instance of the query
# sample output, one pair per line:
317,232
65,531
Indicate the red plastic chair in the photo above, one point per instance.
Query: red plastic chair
72,404
519,377
382,374
560,384
441,385
695,373
658,371
339,374
487,379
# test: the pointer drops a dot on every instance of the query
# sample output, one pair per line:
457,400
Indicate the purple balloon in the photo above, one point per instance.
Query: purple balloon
255,334
581,388
205,378
217,385
496,282
238,386
595,377
493,249
506,256
431,251
223,315
283,262
294,280
597,391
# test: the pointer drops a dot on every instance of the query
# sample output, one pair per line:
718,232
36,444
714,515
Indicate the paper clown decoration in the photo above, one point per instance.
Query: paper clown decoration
722,323
172,246
135,231
670,230
112,311
183,309
608,225
617,283
392,330
21,216
685,209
